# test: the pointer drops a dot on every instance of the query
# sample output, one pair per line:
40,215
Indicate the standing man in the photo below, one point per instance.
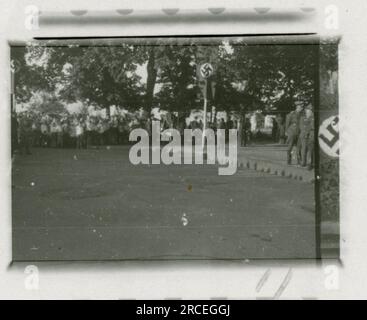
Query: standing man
65,131
89,131
194,124
25,130
59,134
281,129
292,127
307,136
275,130
14,132
44,132
53,130
222,124
79,131
121,128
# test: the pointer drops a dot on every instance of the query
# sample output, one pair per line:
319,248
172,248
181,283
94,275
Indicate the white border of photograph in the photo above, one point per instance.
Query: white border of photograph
203,280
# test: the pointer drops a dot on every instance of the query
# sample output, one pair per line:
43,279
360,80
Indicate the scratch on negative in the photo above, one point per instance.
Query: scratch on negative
284,284
263,279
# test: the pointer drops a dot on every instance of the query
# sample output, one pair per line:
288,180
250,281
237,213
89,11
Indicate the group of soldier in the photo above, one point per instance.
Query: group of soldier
66,131
83,131
300,131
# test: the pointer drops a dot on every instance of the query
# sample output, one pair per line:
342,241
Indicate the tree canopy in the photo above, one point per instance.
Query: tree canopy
133,75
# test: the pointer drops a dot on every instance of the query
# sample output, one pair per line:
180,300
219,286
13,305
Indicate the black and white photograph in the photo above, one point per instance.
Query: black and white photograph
181,155
166,148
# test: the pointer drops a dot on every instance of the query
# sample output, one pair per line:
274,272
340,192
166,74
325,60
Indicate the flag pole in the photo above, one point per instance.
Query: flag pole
205,111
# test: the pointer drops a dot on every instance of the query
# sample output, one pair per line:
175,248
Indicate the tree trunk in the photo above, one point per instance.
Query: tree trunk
108,112
151,80
241,128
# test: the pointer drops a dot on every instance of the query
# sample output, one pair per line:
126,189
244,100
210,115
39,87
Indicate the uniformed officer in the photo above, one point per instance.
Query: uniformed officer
292,128
307,136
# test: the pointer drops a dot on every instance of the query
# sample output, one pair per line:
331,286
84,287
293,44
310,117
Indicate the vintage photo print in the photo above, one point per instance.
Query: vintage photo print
175,148
182,150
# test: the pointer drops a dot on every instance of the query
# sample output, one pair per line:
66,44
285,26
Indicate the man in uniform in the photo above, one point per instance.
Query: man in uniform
45,132
307,136
89,126
292,127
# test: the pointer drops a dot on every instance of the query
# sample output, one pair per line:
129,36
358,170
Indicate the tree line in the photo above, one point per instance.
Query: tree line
247,76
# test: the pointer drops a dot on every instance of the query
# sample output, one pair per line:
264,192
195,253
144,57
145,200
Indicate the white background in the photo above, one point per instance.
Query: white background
158,280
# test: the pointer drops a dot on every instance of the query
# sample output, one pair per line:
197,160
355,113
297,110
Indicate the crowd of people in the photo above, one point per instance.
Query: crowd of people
83,131
69,131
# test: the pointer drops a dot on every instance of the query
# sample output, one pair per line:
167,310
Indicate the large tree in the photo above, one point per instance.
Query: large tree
103,76
177,78
277,74
30,73
247,76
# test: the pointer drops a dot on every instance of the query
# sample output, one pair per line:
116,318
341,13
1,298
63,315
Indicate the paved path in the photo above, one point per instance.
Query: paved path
94,205
272,159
